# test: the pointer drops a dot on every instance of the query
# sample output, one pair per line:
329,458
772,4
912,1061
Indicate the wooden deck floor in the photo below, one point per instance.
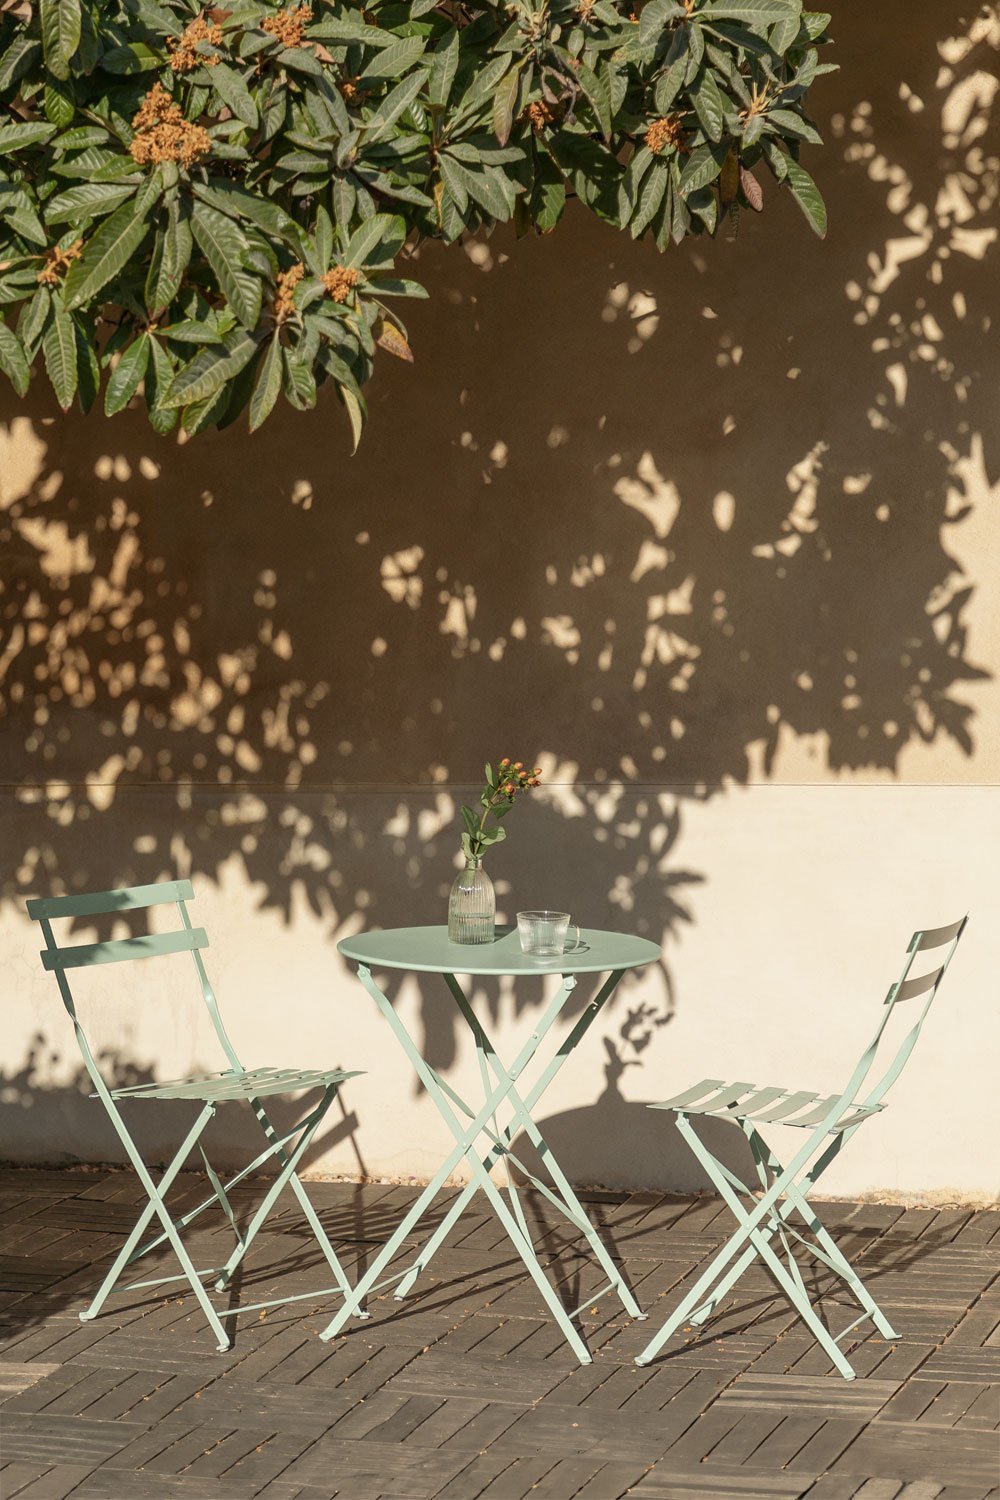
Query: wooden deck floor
466,1391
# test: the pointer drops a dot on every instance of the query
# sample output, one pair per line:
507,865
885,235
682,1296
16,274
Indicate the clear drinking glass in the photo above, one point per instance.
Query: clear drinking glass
543,933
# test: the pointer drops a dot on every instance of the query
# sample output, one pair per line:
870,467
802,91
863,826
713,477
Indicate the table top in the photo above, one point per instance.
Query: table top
427,949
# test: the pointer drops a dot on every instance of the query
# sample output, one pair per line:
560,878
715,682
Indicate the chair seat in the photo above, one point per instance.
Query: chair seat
767,1106
217,1088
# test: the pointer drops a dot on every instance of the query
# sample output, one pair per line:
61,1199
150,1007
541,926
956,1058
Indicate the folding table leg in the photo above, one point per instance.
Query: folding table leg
522,1117
465,1139
523,1107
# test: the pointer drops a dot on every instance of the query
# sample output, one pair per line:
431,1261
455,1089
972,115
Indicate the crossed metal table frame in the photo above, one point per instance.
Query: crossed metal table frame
426,949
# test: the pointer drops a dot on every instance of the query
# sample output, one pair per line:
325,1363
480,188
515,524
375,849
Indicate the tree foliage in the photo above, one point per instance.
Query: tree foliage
213,208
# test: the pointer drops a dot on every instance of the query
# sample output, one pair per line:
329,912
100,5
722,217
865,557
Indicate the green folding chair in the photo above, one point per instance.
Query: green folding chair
783,1191
210,1090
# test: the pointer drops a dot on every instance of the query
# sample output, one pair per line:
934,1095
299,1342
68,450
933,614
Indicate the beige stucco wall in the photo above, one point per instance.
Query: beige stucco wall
712,537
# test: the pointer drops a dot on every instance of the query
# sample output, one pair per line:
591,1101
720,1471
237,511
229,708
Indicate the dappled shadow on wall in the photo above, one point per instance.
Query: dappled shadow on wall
650,520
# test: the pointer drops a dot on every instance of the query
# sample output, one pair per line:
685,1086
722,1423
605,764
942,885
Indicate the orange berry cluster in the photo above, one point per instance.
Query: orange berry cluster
516,777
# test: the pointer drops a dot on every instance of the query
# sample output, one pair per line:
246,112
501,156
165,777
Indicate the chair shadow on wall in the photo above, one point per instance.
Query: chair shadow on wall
705,523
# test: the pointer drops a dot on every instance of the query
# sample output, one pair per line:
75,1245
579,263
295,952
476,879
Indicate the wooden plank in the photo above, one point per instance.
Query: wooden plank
905,1451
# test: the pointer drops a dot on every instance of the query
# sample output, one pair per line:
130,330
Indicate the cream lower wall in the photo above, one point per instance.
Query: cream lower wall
799,903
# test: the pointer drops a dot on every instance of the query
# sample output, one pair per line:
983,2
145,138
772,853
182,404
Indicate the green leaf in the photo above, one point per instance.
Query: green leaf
702,166
654,18
268,387
444,64
650,198
87,365
106,253
210,369
299,382
136,57
752,130
393,61
548,194
596,91
32,320
362,245
356,411
392,106
59,349
807,195
225,246
61,24
170,260
753,12
16,137
503,106
790,123
88,200
18,59
13,361
125,377
668,85
234,93
709,105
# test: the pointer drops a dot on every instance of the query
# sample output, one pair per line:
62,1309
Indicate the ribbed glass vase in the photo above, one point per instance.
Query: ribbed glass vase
472,906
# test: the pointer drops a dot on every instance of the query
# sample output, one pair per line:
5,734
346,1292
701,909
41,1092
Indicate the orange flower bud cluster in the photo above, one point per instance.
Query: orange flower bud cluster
584,9
339,281
163,134
285,290
57,262
184,54
288,26
540,114
664,133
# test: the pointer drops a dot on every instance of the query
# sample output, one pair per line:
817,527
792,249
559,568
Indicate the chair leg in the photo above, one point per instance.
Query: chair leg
287,1176
161,1211
797,1201
125,1254
761,1247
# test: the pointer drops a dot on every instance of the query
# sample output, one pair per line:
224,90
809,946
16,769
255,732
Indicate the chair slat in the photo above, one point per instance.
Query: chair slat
918,986
757,1100
786,1107
936,937
149,945
817,1114
95,903
707,1085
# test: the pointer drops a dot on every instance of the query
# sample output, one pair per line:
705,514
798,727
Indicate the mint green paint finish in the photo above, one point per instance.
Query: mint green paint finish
234,1083
427,950
782,1192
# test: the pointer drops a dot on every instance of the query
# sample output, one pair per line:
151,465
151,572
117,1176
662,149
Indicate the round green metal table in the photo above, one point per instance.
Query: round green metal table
426,950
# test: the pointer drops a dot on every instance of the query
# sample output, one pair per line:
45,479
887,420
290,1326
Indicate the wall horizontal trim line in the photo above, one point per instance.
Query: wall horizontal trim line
366,788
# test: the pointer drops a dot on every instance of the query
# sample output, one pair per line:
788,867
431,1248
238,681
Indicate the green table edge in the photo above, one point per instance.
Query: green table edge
427,950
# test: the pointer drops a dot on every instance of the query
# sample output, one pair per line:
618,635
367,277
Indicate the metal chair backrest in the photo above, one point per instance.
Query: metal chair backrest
187,939
904,989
